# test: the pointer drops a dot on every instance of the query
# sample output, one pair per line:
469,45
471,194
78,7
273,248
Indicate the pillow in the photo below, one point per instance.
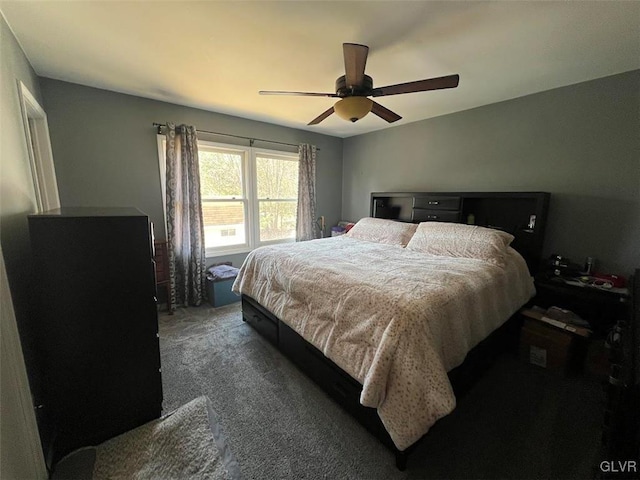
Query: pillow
461,241
382,231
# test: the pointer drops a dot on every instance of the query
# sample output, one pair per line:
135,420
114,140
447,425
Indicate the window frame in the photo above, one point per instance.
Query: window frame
250,200
246,199
279,155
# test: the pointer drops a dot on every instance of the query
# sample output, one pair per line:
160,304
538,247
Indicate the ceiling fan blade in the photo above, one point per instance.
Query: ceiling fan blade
321,117
384,113
450,81
304,94
355,59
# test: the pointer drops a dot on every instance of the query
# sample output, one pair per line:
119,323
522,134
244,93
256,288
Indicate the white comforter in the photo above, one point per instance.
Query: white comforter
396,320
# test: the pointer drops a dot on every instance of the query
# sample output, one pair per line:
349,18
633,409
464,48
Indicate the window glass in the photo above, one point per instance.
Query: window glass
224,223
277,178
223,198
249,196
277,220
277,185
220,174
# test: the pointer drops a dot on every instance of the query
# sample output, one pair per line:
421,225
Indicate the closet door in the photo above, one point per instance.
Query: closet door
98,337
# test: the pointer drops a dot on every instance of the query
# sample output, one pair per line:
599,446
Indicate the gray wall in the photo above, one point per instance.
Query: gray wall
17,195
17,200
581,143
105,150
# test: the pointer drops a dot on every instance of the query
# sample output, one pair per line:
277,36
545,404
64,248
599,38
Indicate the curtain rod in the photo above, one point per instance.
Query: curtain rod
251,140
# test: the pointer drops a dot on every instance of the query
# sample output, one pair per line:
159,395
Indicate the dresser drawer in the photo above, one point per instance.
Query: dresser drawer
437,203
423,215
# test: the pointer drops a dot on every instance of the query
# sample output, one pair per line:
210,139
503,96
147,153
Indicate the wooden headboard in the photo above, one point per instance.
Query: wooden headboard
522,214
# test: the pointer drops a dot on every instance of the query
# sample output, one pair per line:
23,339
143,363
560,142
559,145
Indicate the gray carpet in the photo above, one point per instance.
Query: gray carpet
518,421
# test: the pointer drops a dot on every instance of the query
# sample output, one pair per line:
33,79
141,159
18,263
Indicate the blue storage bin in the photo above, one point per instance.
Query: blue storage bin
220,279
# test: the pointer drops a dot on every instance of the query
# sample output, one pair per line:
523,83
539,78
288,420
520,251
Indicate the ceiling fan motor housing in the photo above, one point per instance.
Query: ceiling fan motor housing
344,90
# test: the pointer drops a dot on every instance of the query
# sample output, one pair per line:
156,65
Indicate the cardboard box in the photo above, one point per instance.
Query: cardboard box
549,347
547,317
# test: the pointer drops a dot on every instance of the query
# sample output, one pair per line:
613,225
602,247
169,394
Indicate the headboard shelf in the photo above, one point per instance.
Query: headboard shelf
522,214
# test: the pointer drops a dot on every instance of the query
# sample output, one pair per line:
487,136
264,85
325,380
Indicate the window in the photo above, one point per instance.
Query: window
224,201
249,196
277,195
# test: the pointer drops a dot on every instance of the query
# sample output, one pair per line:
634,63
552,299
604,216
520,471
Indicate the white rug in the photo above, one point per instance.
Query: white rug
184,444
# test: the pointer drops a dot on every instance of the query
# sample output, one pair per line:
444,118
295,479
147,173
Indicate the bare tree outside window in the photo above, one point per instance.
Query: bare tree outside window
277,181
225,202
223,198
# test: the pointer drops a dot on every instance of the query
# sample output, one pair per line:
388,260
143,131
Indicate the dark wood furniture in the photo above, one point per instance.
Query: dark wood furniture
161,260
512,213
97,342
345,390
621,419
522,214
601,308
615,319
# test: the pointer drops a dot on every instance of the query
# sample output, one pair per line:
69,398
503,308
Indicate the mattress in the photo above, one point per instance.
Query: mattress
395,319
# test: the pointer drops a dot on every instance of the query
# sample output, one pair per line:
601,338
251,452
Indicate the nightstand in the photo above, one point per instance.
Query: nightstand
602,308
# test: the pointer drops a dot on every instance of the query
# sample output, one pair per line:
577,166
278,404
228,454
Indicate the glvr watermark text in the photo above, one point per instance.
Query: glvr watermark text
619,466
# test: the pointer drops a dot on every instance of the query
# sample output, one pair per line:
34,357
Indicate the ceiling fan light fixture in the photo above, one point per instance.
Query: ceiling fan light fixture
353,108
354,87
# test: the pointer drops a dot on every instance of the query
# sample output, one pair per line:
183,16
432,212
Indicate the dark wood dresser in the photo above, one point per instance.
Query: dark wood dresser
97,343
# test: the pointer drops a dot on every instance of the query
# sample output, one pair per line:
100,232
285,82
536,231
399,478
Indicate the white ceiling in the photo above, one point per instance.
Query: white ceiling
217,55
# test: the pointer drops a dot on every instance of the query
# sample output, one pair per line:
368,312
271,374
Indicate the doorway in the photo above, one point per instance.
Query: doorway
43,172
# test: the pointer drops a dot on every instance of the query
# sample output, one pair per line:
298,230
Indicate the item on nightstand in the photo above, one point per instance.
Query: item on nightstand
562,266
346,225
616,281
601,281
589,265
220,278
337,231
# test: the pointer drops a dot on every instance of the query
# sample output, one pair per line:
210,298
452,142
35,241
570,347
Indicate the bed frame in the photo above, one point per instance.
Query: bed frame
511,212
522,214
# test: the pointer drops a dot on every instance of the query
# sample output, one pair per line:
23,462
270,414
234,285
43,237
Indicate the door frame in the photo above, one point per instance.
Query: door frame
43,172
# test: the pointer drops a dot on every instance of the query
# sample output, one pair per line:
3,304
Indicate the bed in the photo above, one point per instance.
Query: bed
382,317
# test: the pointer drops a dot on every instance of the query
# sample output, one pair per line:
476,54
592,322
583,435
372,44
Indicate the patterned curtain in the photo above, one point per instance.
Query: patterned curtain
185,232
305,221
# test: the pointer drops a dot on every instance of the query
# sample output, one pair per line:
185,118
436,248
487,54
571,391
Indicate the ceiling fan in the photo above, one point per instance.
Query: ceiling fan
355,87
